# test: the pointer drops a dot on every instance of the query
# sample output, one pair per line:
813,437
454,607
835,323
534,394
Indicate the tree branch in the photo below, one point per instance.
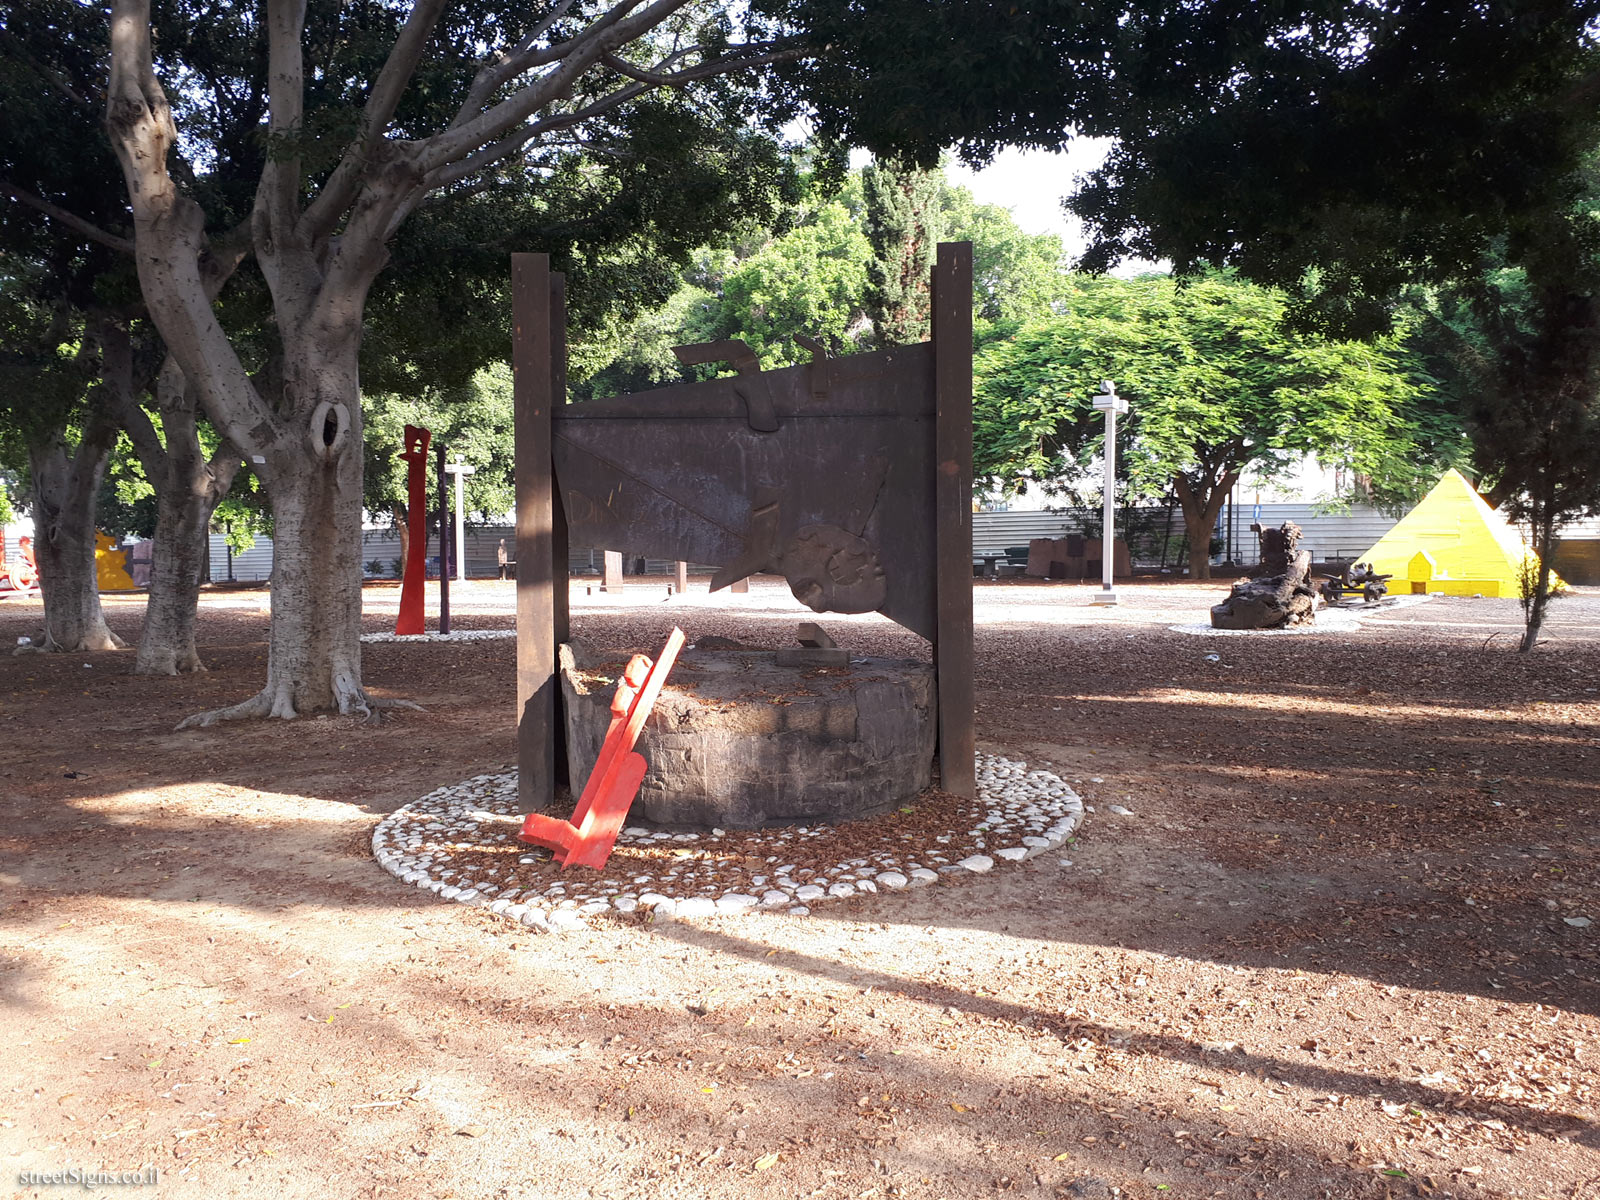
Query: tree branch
20,49
576,57
495,75
72,221
704,70
510,145
492,76
141,431
644,81
278,195
169,236
323,213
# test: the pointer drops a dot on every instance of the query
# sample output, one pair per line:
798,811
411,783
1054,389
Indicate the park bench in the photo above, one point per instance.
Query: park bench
986,564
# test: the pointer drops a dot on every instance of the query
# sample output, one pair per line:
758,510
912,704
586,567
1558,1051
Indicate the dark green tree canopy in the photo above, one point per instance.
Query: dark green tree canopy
1401,143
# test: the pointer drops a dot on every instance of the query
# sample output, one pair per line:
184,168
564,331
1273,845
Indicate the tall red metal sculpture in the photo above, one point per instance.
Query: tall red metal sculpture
416,455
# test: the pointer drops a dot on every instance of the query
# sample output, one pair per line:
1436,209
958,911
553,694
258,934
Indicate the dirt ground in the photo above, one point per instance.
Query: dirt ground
1338,949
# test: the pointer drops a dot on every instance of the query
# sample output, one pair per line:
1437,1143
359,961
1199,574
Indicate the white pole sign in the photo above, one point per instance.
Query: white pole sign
1107,401
460,470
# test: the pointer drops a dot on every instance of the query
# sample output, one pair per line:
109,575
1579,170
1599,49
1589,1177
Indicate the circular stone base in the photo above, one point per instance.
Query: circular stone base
737,741
1344,617
459,842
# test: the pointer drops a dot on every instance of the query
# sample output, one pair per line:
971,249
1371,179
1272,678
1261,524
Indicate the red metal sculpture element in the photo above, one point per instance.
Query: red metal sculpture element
416,455
587,839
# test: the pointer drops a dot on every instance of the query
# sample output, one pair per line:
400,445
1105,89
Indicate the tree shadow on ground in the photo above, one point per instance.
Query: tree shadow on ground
1312,1077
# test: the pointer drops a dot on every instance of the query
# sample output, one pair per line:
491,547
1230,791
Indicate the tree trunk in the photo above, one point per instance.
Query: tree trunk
1201,503
188,488
299,418
183,523
1199,547
314,639
1536,590
64,487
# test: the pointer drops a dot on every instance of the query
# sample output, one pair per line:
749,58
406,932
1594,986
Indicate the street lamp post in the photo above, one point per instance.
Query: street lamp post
460,470
1107,401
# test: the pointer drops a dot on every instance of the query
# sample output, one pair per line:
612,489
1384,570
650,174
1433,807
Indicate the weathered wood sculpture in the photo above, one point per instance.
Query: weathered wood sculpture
851,477
1278,592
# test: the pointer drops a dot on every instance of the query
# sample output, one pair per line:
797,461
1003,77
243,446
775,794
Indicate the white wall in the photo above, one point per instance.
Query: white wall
1327,537
1341,536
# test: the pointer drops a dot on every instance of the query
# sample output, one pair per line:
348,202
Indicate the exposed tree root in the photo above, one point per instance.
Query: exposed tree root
376,703
45,643
259,705
168,662
279,702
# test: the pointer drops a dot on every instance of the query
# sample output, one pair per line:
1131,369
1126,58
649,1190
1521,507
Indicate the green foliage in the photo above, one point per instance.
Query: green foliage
1520,343
47,378
621,218
810,274
812,280
1016,276
904,222
637,355
126,503
1215,382
1389,143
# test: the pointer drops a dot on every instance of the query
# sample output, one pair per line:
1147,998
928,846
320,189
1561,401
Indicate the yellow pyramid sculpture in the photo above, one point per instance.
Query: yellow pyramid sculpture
1452,542
110,565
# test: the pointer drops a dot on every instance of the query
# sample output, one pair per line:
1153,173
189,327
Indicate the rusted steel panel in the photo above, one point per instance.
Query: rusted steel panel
843,483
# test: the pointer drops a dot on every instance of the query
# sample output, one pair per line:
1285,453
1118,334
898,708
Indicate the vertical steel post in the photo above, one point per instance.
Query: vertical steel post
444,540
952,381
1108,402
532,364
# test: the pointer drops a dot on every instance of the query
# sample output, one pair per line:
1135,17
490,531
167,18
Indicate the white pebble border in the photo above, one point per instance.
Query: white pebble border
1329,620
455,635
1018,814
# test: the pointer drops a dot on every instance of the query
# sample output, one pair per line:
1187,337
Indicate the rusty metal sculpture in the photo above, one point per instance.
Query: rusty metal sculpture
409,621
851,477
1357,579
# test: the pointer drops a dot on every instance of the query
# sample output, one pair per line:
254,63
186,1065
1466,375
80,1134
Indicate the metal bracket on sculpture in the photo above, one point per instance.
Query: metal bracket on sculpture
586,840
759,409
819,365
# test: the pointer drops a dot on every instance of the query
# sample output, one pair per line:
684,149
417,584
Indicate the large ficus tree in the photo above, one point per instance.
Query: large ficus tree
64,238
371,110
457,98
